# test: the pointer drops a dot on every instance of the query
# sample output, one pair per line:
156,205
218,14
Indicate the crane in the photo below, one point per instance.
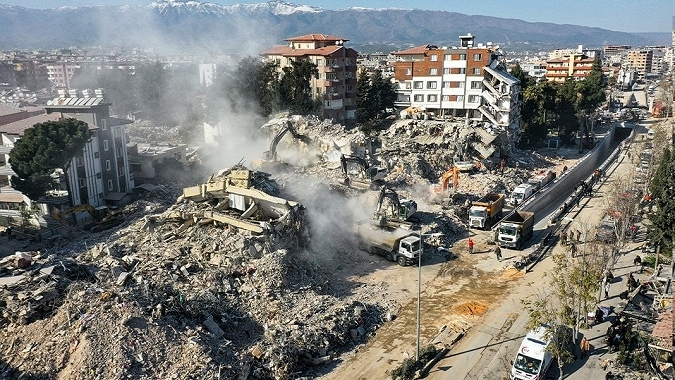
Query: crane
366,174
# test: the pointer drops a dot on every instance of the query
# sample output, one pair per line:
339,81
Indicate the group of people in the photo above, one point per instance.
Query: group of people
616,332
498,251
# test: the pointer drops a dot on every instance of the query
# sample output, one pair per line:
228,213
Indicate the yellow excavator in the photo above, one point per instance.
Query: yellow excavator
102,216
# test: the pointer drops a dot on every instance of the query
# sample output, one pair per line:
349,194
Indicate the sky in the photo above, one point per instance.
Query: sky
618,15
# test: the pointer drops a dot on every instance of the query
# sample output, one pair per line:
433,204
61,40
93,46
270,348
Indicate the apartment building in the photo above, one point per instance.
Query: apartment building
576,65
60,73
336,83
464,81
639,61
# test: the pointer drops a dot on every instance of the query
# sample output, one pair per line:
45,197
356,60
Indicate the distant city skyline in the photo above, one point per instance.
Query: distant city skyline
617,15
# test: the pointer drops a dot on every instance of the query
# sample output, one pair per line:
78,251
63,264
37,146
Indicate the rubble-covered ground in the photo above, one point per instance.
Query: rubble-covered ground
170,298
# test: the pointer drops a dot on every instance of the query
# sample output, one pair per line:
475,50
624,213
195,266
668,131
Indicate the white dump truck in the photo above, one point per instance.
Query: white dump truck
399,245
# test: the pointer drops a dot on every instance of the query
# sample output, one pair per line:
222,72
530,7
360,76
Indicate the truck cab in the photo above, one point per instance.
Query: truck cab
532,360
520,194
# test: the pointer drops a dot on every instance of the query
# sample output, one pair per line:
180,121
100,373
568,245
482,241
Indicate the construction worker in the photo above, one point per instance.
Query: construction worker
563,238
498,253
585,347
470,246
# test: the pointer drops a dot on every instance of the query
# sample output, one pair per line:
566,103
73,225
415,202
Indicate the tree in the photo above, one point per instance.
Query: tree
256,86
295,89
44,148
662,189
374,94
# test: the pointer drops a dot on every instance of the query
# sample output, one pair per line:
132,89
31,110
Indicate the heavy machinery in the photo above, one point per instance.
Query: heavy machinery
439,191
365,176
401,246
103,217
270,161
397,212
515,229
485,211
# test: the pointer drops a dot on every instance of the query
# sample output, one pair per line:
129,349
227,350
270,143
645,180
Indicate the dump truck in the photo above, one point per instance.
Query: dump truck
401,246
515,229
541,179
486,211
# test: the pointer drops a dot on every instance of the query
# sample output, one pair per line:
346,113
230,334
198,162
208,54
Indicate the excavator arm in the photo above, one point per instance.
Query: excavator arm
271,155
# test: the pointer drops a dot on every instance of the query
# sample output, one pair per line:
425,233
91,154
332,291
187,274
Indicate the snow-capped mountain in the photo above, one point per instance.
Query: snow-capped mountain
192,25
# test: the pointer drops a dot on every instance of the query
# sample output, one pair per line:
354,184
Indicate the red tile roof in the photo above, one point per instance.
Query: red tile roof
316,37
8,110
286,51
415,50
18,127
663,330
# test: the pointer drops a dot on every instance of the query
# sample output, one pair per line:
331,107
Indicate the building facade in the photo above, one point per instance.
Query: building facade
640,61
577,66
336,83
465,81
60,73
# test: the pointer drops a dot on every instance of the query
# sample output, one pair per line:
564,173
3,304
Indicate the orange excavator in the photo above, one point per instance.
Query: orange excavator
439,191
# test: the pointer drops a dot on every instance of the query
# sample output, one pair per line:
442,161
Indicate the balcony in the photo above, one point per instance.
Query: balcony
332,96
328,69
4,149
6,170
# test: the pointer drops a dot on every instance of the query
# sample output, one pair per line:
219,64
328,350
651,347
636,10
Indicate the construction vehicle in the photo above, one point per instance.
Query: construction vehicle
439,191
515,229
270,161
416,113
397,213
541,179
102,217
486,211
365,176
401,246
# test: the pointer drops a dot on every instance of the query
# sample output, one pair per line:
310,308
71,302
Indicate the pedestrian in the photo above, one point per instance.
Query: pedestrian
585,347
573,249
607,290
637,260
563,238
579,236
498,253
502,165
9,233
470,246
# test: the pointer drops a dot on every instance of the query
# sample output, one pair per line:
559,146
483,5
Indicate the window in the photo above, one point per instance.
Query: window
460,98
433,71
432,98
462,57
477,57
96,155
446,70
103,124
434,58
476,71
417,84
110,185
118,152
448,57
408,71
445,98
79,161
80,182
460,84
135,167
473,99
432,84
105,144
446,84
419,98
107,164
350,88
475,84
98,175
319,62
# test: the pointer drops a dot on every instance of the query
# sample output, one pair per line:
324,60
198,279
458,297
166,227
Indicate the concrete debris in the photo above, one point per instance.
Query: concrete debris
222,280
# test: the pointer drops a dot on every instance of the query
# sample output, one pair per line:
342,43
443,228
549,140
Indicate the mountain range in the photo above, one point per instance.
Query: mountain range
198,27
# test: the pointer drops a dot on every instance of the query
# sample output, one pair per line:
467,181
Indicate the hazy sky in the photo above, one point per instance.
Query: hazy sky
620,15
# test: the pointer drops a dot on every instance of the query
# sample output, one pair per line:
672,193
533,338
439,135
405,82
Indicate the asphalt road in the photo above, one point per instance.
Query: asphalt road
488,348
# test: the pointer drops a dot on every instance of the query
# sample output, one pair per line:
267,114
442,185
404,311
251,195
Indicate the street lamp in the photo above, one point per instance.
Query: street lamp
419,288
583,262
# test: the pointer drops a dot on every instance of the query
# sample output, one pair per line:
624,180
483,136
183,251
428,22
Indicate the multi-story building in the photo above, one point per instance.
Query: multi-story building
639,61
99,176
465,81
336,83
577,66
614,50
60,73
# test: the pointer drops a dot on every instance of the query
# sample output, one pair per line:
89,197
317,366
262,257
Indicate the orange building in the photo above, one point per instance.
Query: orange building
577,66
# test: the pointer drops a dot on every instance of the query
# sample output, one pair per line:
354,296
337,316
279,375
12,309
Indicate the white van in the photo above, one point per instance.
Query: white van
532,360
520,194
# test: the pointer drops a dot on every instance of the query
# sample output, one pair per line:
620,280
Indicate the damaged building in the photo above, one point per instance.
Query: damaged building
467,82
